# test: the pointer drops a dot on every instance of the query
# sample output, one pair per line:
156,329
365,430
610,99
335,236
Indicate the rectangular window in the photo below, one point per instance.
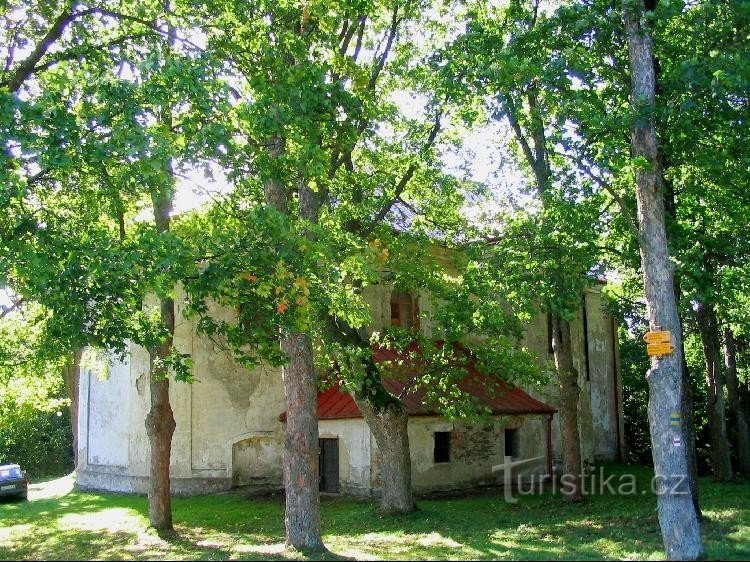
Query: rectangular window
442,446
511,442
404,310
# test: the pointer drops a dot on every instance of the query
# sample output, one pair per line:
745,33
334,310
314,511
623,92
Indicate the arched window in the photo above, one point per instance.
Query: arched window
404,310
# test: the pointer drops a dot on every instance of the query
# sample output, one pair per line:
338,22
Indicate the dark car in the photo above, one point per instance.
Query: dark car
13,481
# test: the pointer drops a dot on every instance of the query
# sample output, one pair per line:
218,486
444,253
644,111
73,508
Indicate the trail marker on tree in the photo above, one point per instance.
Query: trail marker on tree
658,342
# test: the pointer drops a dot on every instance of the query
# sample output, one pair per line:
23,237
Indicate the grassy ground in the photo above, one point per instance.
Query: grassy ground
59,523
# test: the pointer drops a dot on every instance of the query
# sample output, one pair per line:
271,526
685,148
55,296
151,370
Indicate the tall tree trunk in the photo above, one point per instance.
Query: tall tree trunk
569,393
301,447
735,403
721,463
301,481
677,517
687,412
160,426
688,401
72,374
534,147
389,425
160,422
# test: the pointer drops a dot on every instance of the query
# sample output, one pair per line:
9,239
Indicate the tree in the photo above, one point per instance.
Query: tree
83,144
677,516
34,421
737,402
512,63
352,194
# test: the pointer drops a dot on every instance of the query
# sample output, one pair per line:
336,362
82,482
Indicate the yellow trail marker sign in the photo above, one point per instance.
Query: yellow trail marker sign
659,349
658,336
658,342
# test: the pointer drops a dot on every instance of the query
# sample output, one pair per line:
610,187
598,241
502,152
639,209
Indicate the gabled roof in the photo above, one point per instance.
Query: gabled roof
500,397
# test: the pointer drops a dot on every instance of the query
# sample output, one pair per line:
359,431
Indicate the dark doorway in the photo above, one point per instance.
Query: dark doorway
511,442
329,466
442,450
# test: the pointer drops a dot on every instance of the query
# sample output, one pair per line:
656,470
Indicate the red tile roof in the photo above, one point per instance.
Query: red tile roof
500,397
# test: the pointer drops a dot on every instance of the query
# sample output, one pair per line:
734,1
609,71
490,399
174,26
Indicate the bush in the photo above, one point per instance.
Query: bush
35,428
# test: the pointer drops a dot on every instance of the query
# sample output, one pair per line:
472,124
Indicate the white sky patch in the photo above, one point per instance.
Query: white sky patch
199,187
5,297
483,157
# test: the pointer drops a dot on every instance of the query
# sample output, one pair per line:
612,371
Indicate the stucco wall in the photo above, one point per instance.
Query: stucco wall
227,427
600,408
474,450
228,431
355,450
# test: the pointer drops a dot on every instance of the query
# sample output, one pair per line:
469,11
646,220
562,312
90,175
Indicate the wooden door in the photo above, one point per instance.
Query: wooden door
329,466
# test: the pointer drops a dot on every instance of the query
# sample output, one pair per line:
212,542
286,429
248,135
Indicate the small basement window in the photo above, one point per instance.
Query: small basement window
511,442
442,451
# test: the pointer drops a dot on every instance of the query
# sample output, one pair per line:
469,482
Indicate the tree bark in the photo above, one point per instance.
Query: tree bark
160,426
569,393
301,480
735,404
389,425
677,517
387,420
160,422
301,447
71,374
721,463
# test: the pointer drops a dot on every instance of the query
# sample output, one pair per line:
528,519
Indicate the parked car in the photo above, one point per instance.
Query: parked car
13,481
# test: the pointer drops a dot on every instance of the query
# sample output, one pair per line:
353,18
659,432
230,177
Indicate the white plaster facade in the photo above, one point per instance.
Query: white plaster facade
229,432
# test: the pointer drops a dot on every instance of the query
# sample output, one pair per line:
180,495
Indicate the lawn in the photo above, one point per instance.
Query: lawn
59,523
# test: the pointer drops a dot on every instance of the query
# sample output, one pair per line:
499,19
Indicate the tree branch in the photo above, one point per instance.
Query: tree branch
624,206
15,305
386,51
401,186
26,67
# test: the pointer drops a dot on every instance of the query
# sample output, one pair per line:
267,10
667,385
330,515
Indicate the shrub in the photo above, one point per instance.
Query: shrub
35,428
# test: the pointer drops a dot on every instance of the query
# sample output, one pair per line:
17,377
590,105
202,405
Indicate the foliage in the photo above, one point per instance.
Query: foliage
319,84
634,365
117,103
35,429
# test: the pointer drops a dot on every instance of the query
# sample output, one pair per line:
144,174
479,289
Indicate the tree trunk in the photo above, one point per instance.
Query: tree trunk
569,392
537,156
688,401
71,374
721,463
301,480
387,420
735,404
389,425
160,426
301,447
677,517
160,422
688,429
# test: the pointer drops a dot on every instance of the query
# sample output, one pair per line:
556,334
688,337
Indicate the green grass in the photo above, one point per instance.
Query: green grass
74,525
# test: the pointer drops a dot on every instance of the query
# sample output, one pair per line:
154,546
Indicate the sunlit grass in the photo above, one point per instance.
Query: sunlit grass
62,524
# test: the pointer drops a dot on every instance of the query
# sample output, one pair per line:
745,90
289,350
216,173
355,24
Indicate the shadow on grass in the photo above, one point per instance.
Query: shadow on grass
481,526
